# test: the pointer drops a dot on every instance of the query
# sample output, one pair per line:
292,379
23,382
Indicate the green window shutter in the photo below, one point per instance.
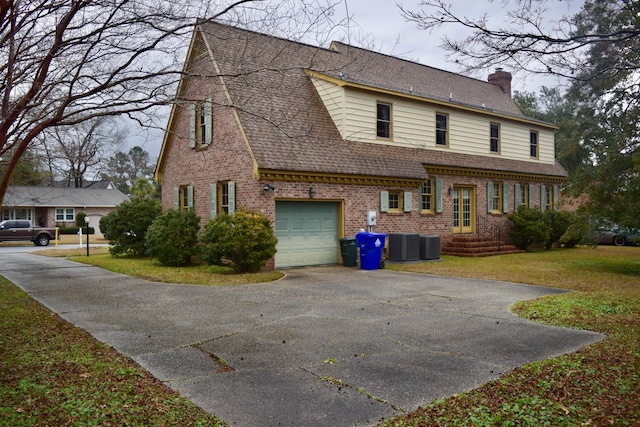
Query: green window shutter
489,197
556,196
518,196
208,114
189,197
505,198
543,198
176,199
231,187
408,201
192,125
532,196
213,200
384,201
439,195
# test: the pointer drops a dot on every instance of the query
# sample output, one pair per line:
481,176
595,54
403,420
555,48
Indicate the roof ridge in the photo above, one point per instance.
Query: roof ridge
260,33
398,58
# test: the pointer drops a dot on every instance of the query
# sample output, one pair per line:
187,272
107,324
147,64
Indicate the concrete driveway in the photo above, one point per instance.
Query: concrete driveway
325,346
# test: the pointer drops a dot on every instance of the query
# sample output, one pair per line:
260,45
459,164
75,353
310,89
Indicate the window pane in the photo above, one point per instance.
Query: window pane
534,144
383,127
497,197
495,137
426,196
203,125
394,200
223,191
441,129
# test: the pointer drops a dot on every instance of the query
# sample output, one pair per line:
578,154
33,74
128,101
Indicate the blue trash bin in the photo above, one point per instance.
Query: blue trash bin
371,246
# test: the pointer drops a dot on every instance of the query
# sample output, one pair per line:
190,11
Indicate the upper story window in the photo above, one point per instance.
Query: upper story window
383,124
201,123
442,129
533,144
427,197
494,138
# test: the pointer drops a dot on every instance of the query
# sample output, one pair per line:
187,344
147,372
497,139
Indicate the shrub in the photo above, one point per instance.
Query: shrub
578,233
80,220
74,230
558,223
245,240
127,225
173,237
528,227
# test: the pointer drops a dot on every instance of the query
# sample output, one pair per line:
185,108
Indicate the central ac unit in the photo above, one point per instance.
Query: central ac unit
404,247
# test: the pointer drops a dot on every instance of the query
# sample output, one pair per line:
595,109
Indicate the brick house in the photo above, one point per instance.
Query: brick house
315,138
58,206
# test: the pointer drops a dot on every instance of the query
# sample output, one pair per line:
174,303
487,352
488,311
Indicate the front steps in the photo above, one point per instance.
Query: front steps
472,245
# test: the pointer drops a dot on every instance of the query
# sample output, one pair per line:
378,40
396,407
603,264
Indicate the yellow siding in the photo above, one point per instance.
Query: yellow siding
333,98
413,124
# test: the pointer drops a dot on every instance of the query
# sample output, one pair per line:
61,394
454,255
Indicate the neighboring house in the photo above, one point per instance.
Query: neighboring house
58,207
94,185
314,138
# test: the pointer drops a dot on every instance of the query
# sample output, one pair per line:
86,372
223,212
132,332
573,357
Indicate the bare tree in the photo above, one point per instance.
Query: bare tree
74,151
530,38
63,62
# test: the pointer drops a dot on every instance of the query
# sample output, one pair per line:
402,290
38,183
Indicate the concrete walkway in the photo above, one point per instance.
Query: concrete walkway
325,346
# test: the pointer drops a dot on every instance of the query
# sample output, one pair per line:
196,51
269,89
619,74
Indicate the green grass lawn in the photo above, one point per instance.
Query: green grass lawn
596,386
53,373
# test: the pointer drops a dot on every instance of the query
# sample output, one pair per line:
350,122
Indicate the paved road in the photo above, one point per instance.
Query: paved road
325,346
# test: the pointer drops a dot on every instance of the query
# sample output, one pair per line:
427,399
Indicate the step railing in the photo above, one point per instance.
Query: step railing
488,229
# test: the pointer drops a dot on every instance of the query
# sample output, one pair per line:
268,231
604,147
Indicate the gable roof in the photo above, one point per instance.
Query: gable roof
287,126
62,197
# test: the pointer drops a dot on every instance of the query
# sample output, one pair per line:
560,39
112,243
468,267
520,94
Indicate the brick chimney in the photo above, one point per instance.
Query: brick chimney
502,79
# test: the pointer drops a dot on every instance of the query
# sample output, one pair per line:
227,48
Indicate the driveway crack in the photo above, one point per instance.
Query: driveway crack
339,384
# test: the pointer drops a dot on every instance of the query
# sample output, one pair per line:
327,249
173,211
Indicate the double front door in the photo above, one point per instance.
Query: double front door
464,209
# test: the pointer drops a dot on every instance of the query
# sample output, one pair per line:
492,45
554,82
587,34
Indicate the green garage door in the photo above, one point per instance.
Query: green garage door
307,233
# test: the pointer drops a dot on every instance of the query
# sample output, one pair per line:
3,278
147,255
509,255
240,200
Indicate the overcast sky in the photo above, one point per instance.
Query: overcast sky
381,20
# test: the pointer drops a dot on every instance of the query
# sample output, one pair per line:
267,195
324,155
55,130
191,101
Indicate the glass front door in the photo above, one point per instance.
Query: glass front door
464,210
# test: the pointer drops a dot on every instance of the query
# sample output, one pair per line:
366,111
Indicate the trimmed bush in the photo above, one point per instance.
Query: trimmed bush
126,226
80,220
244,240
528,227
74,230
173,238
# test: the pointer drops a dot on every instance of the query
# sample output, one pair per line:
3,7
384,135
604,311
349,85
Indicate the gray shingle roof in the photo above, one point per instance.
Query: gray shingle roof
289,128
62,197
